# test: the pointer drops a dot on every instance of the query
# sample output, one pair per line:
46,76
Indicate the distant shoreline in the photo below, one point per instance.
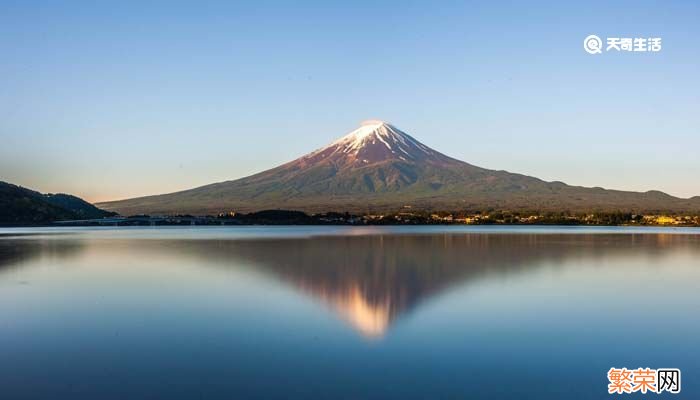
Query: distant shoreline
418,218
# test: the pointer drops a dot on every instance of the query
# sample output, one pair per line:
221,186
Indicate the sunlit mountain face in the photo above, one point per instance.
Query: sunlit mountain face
373,142
378,167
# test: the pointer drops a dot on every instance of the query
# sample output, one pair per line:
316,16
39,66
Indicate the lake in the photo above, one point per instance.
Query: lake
344,312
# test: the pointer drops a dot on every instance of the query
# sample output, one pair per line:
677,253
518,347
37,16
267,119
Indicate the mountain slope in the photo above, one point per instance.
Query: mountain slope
21,206
81,208
378,167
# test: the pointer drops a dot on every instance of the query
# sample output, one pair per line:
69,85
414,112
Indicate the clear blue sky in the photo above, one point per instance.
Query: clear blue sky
120,99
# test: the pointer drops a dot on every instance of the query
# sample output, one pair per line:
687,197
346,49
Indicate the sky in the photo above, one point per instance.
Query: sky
112,100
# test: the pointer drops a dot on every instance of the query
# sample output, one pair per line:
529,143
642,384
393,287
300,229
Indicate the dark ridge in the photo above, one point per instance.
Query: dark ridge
25,207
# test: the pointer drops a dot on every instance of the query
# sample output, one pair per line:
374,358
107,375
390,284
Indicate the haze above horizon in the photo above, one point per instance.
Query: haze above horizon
115,101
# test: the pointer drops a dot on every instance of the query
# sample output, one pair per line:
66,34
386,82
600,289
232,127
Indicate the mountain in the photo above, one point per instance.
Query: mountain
21,206
378,167
81,208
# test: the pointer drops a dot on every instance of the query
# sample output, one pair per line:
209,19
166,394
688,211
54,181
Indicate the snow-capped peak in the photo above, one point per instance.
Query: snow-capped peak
374,131
356,138
374,141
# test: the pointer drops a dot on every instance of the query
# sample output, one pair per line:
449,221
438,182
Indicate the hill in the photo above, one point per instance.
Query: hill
81,208
21,206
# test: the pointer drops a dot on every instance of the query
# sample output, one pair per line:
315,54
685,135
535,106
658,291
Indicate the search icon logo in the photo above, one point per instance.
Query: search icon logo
592,44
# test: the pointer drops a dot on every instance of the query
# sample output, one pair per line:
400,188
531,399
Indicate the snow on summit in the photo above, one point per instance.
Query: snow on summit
374,141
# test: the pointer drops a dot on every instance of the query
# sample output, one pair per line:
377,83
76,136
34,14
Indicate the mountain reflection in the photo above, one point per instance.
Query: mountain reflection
17,250
368,280
372,280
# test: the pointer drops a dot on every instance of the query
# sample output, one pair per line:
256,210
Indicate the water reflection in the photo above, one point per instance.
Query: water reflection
372,280
15,253
369,281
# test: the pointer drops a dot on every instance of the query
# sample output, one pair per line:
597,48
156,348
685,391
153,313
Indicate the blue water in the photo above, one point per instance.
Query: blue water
344,312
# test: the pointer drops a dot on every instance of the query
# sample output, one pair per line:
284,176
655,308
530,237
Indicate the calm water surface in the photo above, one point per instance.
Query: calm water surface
337,312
